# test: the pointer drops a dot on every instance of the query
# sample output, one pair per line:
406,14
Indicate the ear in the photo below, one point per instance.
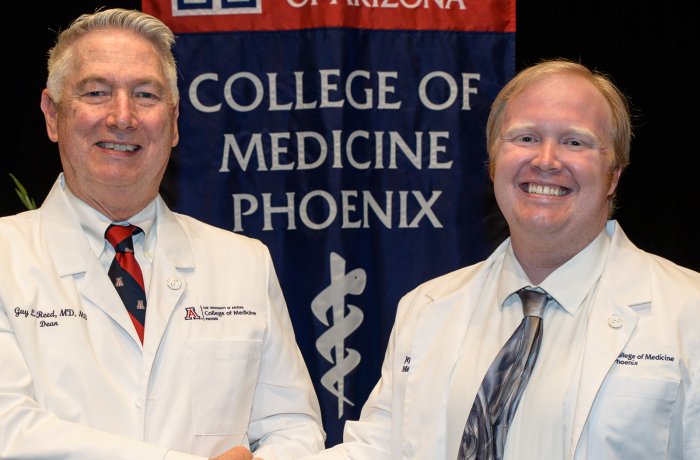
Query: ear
176,133
48,106
614,180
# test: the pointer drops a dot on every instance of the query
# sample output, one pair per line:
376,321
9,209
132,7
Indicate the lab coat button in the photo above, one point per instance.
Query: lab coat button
615,321
139,403
174,283
408,450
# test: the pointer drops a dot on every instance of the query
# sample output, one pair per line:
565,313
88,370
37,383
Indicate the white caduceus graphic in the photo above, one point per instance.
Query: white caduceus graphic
333,298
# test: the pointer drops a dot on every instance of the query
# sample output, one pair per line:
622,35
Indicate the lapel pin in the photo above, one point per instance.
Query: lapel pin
174,283
615,321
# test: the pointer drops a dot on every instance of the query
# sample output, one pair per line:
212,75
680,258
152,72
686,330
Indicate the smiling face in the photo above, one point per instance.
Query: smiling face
115,123
552,175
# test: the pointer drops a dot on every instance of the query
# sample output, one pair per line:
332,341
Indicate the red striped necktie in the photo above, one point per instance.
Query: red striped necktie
126,275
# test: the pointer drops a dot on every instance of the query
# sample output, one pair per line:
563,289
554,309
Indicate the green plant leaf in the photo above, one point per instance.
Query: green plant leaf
21,192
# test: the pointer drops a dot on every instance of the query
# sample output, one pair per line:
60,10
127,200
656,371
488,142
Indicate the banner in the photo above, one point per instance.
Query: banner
348,136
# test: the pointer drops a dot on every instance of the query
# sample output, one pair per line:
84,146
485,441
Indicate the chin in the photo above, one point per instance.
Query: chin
543,224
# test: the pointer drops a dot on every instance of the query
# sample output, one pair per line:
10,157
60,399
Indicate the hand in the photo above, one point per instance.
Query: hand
236,453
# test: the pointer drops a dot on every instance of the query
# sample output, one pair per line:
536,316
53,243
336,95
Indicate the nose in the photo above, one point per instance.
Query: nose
121,113
547,158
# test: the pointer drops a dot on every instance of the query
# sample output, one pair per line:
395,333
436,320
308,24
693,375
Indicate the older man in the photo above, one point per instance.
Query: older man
128,331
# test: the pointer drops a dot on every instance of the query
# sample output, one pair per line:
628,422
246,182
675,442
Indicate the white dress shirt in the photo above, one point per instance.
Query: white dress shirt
541,426
94,224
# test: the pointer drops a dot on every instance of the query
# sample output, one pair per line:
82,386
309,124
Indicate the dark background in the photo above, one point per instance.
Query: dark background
649,51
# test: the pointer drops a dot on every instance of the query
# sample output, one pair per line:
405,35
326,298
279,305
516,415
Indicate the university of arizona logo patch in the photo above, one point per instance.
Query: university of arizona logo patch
191,313
221,7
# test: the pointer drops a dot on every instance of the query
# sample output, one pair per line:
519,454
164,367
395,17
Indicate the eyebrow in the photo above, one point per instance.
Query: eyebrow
575,131
88,80
138,83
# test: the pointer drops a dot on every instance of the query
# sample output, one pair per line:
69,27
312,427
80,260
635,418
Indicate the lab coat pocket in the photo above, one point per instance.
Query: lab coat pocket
631,418
222,375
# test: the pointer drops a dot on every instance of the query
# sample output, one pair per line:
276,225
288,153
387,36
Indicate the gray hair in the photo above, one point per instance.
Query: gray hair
145,25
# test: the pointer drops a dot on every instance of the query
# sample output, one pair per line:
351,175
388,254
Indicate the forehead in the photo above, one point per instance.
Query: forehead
563,97
116,53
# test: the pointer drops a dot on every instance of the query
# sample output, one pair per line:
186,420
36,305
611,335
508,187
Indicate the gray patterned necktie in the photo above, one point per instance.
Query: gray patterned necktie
484,436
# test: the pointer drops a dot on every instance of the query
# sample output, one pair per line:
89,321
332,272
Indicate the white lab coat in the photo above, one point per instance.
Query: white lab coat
219,364
645,411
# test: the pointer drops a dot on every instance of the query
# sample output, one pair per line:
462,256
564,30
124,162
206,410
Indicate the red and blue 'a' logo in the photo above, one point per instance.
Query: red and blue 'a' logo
209,7
191,313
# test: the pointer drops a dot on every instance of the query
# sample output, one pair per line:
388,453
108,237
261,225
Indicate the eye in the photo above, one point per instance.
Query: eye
578,143
145,95
525,139
148,95
95,96
96,93
522,135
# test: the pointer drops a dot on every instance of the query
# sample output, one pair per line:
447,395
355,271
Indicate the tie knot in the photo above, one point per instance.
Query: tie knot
119,236
533,301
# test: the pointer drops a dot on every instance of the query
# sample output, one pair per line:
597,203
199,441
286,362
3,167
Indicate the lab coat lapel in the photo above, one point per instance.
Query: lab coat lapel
439,330
624,283
462,384
171,256
72,257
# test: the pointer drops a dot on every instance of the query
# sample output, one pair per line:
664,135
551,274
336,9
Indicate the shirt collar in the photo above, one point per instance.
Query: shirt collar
568,285
94,223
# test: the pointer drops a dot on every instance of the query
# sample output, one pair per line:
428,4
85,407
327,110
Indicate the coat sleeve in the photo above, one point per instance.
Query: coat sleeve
691,415
285,422
691,422
370,437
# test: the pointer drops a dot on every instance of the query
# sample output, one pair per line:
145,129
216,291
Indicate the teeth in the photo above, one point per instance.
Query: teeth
118,147
545,190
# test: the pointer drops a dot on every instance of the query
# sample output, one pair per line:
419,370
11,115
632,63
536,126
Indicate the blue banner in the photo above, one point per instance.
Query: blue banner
357,154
